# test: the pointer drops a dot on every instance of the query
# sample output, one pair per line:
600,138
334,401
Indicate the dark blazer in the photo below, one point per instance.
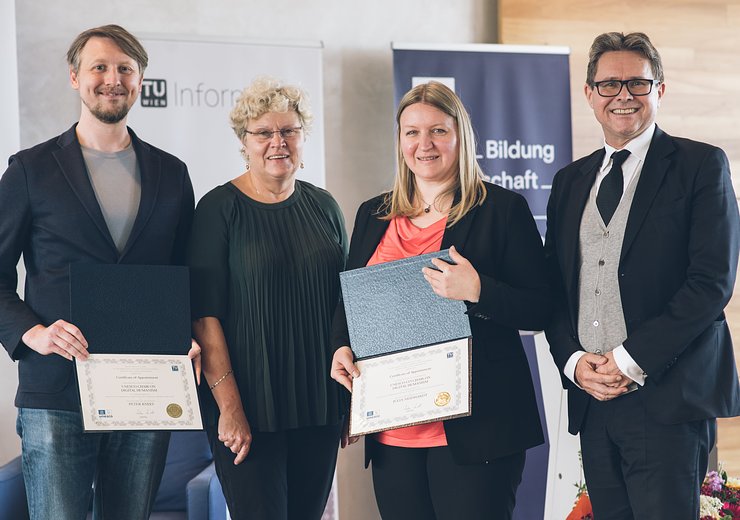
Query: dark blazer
501,240
676,275
49,213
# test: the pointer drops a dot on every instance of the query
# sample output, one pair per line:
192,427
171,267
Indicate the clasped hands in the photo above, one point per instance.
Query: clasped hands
600,376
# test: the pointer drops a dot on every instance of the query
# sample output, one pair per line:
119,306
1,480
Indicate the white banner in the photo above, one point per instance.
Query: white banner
190,86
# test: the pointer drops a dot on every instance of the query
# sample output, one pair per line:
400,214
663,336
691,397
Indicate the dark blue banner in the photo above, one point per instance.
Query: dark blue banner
520,106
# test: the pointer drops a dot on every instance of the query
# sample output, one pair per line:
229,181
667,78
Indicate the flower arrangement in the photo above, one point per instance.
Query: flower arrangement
582,507
720,497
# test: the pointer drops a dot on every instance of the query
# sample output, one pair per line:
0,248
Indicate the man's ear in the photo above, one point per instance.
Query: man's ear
661,92
73,78
589,94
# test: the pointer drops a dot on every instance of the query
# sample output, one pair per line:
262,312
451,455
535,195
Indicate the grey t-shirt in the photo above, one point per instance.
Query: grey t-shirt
116,179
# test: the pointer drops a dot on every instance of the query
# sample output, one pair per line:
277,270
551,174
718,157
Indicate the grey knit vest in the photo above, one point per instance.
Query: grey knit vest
601,326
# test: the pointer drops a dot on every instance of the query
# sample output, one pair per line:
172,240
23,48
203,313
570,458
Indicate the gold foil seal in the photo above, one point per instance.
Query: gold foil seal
442,399
174,410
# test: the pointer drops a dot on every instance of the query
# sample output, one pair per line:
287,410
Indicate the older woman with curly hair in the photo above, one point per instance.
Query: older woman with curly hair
265,253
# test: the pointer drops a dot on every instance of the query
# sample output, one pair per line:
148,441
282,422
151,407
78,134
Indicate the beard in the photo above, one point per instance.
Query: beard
111,115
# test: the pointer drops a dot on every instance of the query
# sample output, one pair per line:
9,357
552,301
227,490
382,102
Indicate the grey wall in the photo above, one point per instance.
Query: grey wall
358,81
9,143
358,91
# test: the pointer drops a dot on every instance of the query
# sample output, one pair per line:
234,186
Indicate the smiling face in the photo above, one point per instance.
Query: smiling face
429,143
625,116
277,158
109,81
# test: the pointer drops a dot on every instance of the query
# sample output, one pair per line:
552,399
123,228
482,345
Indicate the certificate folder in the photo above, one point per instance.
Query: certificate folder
131,309
136,319
390,307
412,347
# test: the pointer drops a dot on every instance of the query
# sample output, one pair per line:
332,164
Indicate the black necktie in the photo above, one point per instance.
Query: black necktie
610,191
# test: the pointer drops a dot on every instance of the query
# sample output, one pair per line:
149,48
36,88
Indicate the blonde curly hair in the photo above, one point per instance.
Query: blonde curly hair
267,94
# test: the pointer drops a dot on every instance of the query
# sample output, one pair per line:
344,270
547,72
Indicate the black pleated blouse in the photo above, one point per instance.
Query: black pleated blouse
270,274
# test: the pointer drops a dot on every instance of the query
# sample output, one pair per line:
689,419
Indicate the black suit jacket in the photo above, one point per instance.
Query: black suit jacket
49,213
676,274
501,241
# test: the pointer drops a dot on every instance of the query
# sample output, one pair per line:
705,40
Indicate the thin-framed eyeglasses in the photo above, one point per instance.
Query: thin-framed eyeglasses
285,133
635,86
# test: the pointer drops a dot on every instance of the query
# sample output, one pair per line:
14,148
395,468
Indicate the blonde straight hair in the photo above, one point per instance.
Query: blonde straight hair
469,183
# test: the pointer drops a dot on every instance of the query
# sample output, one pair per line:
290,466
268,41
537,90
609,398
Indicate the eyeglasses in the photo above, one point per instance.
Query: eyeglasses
636,86
285,133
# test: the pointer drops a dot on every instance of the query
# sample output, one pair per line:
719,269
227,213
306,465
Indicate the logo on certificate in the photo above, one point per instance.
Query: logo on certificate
442,399
174,410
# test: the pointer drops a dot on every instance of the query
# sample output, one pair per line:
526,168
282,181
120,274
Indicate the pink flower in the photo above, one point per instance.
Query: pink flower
733,509
713,482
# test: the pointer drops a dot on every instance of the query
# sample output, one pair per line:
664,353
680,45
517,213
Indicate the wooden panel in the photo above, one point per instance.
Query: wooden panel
698,41
728,435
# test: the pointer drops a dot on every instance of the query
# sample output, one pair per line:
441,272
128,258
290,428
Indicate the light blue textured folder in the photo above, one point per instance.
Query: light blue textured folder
391,307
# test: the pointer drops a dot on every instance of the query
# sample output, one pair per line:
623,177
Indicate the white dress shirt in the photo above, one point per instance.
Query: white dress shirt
638,148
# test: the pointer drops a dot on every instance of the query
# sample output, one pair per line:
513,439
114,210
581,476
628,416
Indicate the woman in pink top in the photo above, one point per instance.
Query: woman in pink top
468,467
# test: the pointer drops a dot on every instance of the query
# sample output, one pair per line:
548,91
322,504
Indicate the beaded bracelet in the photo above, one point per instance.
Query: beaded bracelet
214,385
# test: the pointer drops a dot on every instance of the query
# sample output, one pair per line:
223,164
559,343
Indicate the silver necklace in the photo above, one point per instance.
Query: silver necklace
428,207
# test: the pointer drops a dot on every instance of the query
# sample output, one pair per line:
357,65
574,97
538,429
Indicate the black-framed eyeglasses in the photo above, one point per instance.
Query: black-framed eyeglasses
635,86
285,133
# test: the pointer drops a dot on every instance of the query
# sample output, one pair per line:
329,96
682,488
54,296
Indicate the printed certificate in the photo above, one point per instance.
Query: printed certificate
138,392
412,387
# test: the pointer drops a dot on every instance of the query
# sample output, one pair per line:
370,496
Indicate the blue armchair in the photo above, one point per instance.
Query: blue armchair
190,489
12,491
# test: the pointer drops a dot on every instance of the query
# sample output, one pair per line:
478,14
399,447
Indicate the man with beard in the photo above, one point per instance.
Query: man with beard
95,194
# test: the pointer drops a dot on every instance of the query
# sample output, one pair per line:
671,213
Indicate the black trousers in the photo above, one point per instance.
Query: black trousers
637,468
286,476
427,484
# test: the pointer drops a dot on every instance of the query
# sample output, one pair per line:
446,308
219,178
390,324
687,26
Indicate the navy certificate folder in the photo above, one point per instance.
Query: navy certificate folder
131,309
390,307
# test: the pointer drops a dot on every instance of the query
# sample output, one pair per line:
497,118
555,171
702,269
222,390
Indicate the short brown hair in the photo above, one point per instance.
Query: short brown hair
126,41
614,41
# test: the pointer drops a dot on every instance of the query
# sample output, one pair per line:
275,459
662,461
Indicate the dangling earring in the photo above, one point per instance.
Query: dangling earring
302,165
245,156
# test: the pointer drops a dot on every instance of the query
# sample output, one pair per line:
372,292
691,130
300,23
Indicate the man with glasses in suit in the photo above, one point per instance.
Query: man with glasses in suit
642,242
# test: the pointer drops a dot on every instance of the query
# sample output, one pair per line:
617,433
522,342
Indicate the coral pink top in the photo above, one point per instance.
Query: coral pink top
402,240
